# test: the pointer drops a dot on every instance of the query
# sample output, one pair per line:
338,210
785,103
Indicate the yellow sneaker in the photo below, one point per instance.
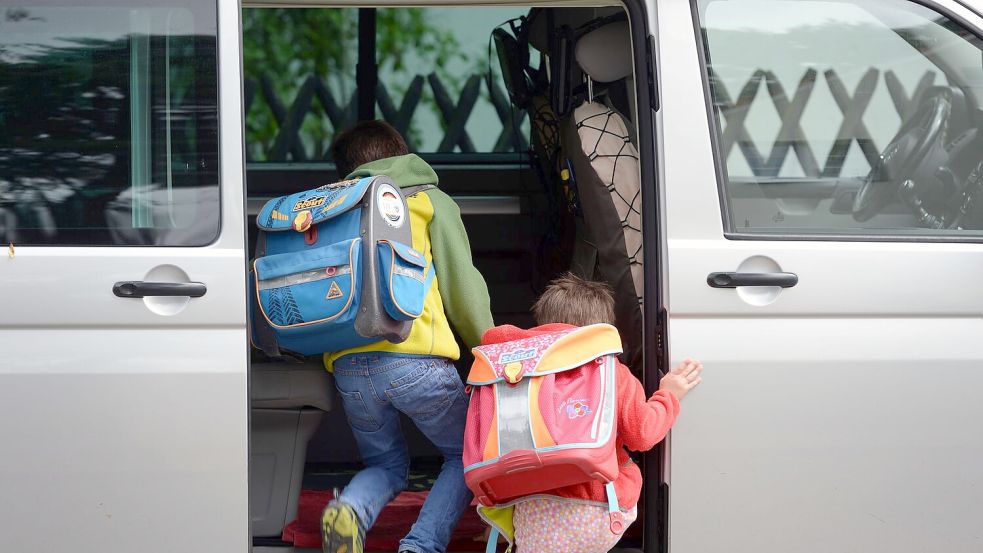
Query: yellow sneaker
341,531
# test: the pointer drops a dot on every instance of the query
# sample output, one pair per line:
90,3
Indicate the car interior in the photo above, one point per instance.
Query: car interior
572,202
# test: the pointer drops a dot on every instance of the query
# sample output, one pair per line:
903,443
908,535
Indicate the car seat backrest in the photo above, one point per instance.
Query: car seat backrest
529,90
599,144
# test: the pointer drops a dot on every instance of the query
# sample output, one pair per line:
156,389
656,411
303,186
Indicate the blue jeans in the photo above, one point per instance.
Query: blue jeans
375,388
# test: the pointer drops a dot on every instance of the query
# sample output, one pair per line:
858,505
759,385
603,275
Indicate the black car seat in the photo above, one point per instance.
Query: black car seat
598,140
528,90
585,154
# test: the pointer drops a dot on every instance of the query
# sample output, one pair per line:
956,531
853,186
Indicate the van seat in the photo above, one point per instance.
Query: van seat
598,142
283,385
288,401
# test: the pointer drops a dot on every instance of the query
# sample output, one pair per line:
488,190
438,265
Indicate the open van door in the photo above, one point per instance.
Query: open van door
123,349
824,262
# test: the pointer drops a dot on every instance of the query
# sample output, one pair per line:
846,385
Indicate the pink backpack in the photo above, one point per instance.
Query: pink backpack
542,416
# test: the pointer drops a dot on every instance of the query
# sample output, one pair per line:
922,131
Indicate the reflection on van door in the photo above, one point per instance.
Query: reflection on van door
841,330
123,350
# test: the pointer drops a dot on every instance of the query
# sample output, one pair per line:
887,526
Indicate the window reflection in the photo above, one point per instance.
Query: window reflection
856,117
108,126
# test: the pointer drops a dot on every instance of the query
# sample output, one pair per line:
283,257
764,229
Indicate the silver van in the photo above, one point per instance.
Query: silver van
789,190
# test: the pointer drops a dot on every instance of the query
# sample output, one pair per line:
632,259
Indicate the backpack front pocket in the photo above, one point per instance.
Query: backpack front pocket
302,288
404,280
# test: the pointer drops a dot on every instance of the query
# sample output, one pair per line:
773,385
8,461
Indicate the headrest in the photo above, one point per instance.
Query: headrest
605,54
539,22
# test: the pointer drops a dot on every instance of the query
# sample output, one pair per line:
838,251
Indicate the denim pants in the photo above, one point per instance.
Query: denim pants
375,388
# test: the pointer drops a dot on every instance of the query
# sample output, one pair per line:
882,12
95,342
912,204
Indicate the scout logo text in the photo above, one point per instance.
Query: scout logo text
309,203
517,355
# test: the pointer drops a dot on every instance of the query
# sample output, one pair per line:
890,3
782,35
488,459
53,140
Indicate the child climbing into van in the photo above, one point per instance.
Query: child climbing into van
416,377
583,525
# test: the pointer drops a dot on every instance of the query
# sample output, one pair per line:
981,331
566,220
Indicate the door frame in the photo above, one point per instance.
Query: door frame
642,18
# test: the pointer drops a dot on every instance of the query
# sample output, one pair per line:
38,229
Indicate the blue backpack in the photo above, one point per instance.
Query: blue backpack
334,269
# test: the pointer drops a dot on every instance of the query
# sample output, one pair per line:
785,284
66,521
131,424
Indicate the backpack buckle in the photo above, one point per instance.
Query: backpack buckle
303,221
513,373
616,522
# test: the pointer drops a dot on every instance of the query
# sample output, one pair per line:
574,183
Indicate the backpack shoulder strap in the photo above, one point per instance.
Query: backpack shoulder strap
260,250
410,190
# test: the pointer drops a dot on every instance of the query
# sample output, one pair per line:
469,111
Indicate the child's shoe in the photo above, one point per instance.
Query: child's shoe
341,531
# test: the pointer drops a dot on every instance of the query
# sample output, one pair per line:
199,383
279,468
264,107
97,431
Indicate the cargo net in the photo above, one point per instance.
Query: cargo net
607,144
546,132
555,247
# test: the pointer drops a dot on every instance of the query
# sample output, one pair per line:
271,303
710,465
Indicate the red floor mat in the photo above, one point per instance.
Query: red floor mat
393,524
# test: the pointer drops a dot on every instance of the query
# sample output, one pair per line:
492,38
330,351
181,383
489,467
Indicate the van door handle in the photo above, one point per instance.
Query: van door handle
733,280
141,289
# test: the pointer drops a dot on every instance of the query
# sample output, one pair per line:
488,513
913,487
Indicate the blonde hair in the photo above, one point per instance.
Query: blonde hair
572,300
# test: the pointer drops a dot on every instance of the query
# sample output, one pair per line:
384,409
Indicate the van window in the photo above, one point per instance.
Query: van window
109,125
845,118
432,69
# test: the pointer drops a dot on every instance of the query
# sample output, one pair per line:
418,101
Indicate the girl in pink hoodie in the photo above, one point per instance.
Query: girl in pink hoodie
543,524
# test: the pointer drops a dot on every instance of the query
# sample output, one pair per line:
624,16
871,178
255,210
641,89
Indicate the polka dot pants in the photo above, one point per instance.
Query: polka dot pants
548,525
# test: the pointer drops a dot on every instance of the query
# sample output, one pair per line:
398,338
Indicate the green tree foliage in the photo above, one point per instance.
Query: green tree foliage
290,44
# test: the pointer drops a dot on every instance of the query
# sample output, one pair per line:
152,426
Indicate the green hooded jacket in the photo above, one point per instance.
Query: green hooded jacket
459,295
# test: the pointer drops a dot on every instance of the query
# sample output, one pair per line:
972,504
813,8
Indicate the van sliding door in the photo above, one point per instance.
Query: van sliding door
123,386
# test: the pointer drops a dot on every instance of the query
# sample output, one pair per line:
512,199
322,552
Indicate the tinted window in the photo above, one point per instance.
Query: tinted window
845,118
433,85
108,125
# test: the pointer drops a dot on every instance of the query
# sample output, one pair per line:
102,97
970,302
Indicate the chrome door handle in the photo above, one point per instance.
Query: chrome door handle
141,289
733,280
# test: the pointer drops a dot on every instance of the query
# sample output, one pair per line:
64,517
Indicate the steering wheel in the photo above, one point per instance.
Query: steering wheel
916,138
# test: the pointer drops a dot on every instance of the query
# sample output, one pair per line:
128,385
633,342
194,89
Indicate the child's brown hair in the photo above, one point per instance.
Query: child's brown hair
572,300
365,142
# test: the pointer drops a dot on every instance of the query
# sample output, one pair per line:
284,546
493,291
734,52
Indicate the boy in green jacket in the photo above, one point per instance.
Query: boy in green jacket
417,376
